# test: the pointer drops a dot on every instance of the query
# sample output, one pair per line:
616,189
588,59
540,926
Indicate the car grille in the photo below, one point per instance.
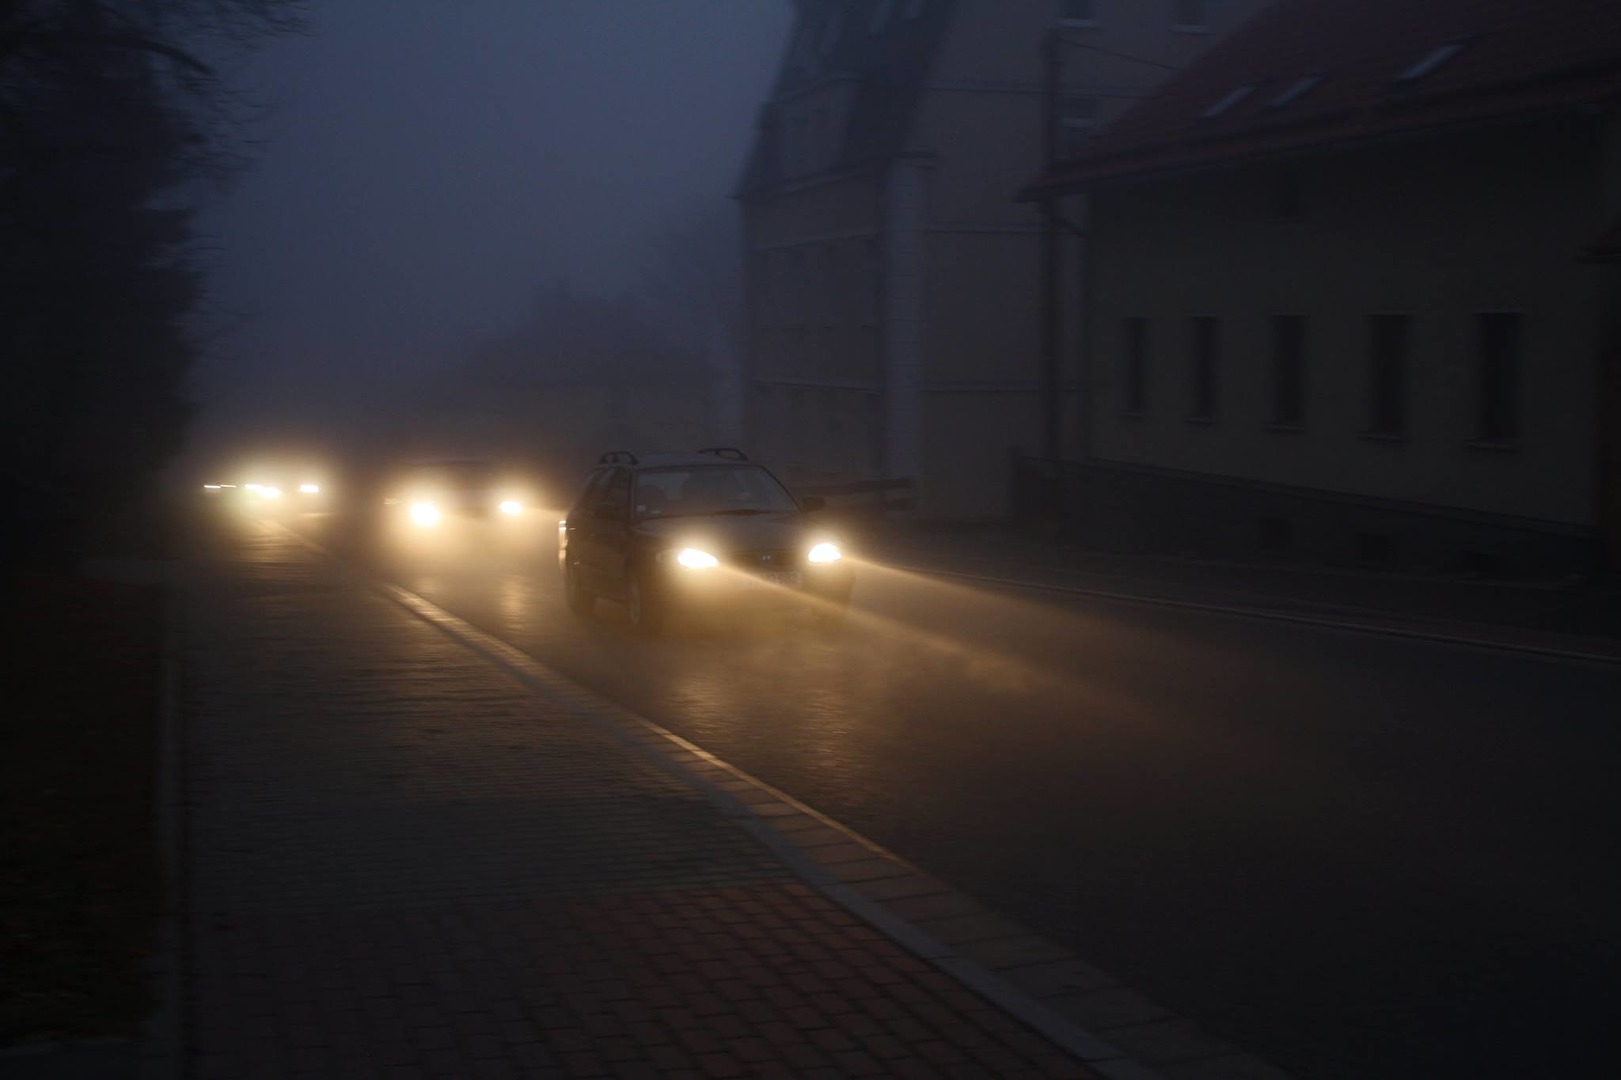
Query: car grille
764,560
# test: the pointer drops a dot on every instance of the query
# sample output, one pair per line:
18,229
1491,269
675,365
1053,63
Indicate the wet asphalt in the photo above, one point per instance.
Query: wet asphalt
1355,856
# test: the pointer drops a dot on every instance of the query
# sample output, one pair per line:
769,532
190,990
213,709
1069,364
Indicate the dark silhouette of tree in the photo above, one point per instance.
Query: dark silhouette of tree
110,128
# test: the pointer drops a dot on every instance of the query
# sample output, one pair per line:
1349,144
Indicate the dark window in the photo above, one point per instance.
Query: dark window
1288,370
1289,192
1375,548
616,493
591,490
1498,376
1387,375
1080,11
1277,534
1134,366
1077,120
1206,345
1192,14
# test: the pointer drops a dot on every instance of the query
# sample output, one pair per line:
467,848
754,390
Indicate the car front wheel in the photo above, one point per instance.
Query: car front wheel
643,607
581,601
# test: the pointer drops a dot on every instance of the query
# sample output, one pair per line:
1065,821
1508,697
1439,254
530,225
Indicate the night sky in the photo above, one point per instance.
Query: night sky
423,166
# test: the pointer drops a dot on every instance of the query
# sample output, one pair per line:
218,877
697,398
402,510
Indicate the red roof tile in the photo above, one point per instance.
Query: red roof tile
1516,57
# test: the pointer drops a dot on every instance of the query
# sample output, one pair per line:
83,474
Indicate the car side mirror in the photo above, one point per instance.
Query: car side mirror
812,503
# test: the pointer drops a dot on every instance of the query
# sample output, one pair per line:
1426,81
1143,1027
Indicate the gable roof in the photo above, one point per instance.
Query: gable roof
1606,247
887,58
1321,72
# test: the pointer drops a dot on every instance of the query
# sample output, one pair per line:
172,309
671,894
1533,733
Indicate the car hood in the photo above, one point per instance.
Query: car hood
718,533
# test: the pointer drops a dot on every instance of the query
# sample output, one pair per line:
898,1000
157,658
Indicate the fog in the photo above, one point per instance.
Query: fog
422,170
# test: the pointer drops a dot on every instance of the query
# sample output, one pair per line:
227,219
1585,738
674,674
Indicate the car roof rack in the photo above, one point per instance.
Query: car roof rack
730,453
617,457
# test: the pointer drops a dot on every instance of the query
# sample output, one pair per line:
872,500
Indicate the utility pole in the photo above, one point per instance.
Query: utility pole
1051,266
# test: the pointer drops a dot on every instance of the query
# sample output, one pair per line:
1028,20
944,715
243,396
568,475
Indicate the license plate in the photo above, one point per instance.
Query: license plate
782,579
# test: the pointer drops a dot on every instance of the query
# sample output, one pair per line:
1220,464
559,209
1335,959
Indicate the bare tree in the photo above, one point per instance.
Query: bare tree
109,115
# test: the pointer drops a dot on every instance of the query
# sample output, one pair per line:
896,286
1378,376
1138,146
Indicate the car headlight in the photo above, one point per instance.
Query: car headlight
425,514
824,553
510,507
270,493
309,489
693,559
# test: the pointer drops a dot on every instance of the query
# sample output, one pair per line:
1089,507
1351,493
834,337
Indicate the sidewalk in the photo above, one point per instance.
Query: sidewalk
1552,616
404,862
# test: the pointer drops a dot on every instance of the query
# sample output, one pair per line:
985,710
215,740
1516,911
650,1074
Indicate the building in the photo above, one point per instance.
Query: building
1343,300
893,326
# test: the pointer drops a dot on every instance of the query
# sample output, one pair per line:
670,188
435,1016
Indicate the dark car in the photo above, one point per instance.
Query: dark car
671,531
427,492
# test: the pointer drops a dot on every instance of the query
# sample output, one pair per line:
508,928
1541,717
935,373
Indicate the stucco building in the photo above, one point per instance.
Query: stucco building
892,280
1343,295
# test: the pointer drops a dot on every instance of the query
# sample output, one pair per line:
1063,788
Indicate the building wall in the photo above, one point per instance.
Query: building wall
1439,229
982,122
814,359
952,394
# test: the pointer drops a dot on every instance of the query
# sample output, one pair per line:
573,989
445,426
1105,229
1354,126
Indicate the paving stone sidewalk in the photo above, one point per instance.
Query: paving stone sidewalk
401,862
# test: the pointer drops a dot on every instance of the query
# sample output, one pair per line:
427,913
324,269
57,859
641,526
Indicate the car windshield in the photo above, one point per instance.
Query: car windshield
454,475
709,489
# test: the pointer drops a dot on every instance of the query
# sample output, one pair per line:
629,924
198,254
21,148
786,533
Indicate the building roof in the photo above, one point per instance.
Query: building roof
1305,74
885,46
1606,247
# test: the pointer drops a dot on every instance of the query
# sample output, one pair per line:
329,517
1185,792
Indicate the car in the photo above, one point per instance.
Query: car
426,493
665,533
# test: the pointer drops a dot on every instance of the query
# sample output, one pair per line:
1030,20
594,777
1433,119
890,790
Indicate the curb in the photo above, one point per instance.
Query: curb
1369,627
1115,1032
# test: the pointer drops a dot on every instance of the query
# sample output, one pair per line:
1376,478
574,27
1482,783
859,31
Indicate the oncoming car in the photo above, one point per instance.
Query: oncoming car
664,532
429,492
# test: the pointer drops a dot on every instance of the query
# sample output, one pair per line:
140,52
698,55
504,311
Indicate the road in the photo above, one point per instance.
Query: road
1355,856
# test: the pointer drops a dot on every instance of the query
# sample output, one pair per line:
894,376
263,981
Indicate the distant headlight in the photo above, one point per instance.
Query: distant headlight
269,492
511,507
309,489
693,559
824,553
425,514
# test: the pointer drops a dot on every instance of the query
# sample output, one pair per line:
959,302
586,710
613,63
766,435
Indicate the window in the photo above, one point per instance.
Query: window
1432,60
1205,346
1387,376
1288,192
1134,366
830,33
1191,15
1228,100
1076,121
614,496
821,143
794,150
1079,13
794,288
1498,376
872,284
1288,370
1297,90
